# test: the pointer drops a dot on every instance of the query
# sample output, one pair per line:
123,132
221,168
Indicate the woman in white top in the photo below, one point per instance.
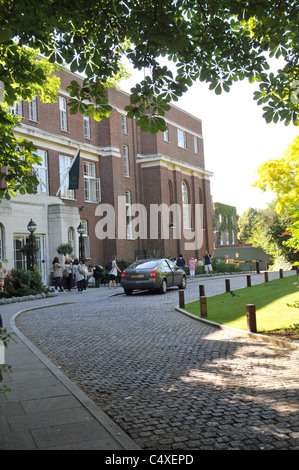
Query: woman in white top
113,273
78,276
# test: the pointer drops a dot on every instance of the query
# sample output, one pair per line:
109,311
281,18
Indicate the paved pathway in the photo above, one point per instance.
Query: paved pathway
166,381
45,410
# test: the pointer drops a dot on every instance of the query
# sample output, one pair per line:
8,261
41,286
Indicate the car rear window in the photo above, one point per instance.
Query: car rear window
144,265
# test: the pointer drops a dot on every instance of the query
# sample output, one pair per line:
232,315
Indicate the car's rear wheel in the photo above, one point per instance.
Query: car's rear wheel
183,283
128,291
163,288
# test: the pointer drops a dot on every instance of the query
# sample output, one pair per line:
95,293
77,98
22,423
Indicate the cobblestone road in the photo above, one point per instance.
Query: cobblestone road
170,381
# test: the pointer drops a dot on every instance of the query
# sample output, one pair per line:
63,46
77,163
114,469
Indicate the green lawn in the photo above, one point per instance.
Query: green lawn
270,298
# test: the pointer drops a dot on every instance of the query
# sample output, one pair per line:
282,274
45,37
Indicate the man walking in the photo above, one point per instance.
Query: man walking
207,262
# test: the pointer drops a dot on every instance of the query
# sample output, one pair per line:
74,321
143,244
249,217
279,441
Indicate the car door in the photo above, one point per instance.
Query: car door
176,273
166,272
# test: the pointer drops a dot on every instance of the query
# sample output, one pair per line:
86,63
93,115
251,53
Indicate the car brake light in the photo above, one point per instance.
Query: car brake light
123,275
153,274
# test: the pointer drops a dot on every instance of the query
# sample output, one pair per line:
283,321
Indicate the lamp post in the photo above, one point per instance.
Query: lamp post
31,257
81,230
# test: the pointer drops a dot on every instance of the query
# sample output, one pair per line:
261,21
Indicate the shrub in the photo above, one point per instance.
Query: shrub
64,249
20,283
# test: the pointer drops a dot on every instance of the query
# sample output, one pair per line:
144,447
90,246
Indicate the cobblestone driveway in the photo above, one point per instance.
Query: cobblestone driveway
169,381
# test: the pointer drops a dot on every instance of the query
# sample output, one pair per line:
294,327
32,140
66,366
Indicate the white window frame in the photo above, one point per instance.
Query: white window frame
16,109
166,135
64,165
124,124
86,239
41,172
186,206
182,141
62,113
129,215
92,189
86,127
126,160
71,237
32,109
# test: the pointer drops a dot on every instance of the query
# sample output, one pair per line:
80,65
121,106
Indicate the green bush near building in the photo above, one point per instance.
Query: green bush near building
20,283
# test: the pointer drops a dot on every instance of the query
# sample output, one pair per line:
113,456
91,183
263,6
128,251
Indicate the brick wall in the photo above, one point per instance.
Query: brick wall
147,185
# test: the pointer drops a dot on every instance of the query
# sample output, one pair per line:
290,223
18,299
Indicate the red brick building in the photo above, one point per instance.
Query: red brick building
119,166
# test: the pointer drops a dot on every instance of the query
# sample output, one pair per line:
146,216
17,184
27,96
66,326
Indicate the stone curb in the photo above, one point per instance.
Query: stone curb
125,441
257,336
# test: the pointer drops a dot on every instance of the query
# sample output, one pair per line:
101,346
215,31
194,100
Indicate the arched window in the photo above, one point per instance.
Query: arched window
71,237
186,206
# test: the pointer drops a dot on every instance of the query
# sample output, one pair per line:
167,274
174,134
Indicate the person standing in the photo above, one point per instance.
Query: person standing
68,274
180,262
57,273
113,273
97,274
192,268
207,262
79,278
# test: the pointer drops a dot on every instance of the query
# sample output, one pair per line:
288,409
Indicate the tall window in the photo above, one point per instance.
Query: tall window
128,215
91,183
19,240
195,144
182,139
71,237
86,239
41,172
126,161
166,135
16,109
124,125
32,110
64,164
86,126
186,206
62,113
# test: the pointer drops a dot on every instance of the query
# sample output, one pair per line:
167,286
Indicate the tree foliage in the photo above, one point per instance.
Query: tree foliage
282,177
246,224
23,76
268,232
218,42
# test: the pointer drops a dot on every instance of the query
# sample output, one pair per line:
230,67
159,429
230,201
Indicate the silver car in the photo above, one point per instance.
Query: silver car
153,274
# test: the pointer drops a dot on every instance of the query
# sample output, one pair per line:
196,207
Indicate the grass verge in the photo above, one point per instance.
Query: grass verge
270,298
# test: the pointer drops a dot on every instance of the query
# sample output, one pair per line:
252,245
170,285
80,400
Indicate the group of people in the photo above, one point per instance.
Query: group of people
207,257
75,272
72,272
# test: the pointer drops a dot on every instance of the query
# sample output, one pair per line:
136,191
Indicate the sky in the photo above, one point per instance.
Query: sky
236,138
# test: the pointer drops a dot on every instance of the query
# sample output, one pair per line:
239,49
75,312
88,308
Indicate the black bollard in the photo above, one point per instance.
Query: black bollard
201,290
182,299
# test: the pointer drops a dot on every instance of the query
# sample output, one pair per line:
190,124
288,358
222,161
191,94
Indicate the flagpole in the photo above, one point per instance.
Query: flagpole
67,173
